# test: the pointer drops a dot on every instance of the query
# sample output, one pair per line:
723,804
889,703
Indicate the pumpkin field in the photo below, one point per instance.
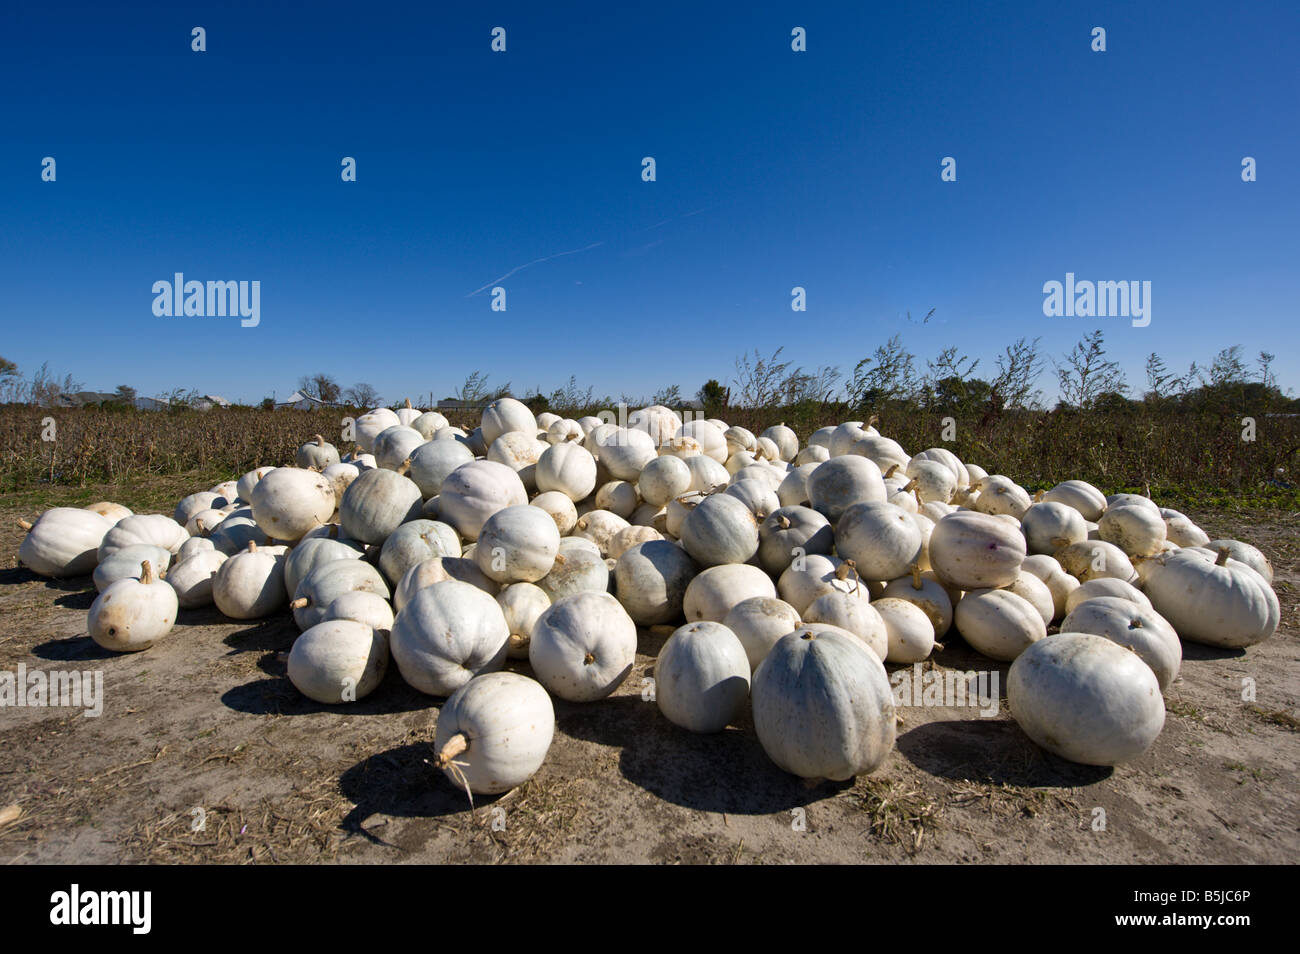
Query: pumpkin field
765,636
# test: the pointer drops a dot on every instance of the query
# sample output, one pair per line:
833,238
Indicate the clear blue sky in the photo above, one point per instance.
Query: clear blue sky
775,169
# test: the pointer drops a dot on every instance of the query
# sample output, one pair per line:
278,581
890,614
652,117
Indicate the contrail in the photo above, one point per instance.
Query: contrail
545,258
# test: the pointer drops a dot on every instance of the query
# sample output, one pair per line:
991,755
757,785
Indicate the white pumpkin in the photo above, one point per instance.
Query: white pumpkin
436,570
338,661
505,415
433,461
841,482
701,677
326,583
600,527
568,468
316,454
853,613
811,576
713,593
1036,593
1137,530
1086,699
132,615
881,540
517,544
624,451
925,592
618,497
192,578
1094,559
1106,586
1079,494
579,567
720,530
1060,583
161,531
377,503
447,634
250,585
560,508
522,604
823,706
289,501
115,512
973,550
909,631
651,579
362,607
1244,553
370,425
1002,495
1049,526
244,486
998,623
474,491
583,647
124,564
790,532
1217,601
758,622
1140,628
414,542
1181,531
493,733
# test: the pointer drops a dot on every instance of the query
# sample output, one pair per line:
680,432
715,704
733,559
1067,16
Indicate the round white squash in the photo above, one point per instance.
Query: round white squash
493,733
583,647
338,661
132,615
447,634
702,677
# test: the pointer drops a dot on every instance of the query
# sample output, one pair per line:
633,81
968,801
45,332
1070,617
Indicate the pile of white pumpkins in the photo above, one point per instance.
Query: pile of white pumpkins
787,575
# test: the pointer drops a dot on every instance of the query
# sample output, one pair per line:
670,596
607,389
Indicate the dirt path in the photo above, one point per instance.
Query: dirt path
206,753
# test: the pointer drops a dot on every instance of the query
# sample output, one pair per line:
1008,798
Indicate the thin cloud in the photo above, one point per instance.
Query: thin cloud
536,261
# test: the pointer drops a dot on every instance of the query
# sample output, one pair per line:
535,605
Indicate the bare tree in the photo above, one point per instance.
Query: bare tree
1085,374
1227,367
361,395
1265,362
761,381
888,374
670,396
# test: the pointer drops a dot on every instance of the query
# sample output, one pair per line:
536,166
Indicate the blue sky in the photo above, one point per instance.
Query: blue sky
774,169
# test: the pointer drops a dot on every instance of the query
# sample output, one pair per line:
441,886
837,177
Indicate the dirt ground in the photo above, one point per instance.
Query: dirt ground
205,753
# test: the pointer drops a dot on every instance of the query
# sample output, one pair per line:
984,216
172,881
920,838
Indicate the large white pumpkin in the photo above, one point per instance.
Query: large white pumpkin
447,634
493,733
338,661
823,706
517,544
973,550
1140,628
1086,699
702,677
583,647
131,615
1217,601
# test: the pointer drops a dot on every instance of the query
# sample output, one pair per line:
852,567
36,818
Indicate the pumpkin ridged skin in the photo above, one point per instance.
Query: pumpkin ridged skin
841,482
909,631
651,579
567,468
1106,586
522,604
973,550
505,415
720,530
879,538
1086,699
338,661
702,677
1060,583
1049,526
433,461
583,647
132,615
1096,559
158,529
1230,605
447,634
1079,494
327,582
507,720
436,570
823,706
1244,553
377,503
1138,531
853,614
308,555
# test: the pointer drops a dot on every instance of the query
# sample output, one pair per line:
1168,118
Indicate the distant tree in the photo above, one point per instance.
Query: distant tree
713,396
1265,361
44,389
1084,374
361,395
320,386
537,403
10,380
179,399
668,397
126,394
267,404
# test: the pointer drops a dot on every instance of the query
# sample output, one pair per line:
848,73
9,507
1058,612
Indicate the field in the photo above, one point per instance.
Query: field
206,753
206,728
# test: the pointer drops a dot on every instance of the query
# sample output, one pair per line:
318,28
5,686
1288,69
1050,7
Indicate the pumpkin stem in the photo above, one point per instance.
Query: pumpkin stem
588,659
146,573
198,523
252,546
300,603
910,485
559,558
783,522
1039,496
405,467
872,421
1223,557
938,647
917,494
453,747
890,473
334,531
320,440
916,576
24,524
